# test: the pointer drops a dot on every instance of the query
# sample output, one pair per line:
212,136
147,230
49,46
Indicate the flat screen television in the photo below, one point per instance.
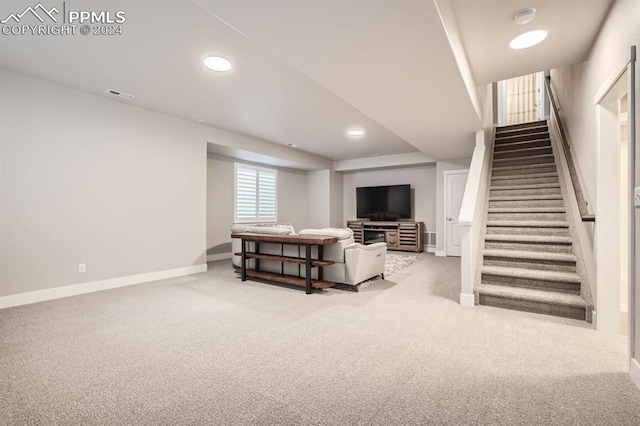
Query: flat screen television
391,202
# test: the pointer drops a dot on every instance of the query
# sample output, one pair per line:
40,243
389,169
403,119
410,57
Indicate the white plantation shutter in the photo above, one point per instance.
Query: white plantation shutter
256,194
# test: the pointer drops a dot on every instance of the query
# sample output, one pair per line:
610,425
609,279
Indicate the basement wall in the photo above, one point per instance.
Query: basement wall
89,180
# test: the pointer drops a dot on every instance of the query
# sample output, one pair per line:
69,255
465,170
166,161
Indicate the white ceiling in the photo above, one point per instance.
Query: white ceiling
304,70
487,27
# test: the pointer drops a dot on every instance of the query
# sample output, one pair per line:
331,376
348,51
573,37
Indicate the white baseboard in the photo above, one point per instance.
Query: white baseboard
219,256
431,249
467,300
634,371
441,253
90,287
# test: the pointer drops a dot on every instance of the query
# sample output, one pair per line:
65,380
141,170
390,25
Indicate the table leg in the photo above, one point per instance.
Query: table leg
308,267
243,267
320,257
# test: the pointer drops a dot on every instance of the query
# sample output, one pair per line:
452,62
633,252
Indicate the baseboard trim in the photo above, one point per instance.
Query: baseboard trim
467,300
441,253
431,249
634,371
219,256
91,287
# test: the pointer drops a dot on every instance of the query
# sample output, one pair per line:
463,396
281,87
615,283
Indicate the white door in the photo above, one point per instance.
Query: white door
455,182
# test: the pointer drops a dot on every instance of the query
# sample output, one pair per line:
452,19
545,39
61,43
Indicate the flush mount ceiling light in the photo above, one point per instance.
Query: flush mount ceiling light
355,132
528,39
217,63
525,16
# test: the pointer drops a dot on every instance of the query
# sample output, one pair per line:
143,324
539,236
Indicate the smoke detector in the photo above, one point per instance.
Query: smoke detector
525,16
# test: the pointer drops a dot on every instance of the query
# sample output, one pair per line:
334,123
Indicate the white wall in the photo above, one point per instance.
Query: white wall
336,183
220,208
88,180
421,179
578,86
318,198
292,199
441,167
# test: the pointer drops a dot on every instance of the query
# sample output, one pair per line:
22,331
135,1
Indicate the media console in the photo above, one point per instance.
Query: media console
404,236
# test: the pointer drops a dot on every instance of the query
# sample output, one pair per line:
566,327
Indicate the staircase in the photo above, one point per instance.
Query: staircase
528,260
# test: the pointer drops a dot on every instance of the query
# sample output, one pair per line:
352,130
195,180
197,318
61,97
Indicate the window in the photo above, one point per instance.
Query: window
256,194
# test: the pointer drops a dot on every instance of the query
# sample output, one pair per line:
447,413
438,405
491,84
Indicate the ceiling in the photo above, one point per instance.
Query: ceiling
305,71
487,27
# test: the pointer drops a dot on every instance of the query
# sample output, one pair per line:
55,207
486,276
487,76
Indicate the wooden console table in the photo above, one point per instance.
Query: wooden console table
307,241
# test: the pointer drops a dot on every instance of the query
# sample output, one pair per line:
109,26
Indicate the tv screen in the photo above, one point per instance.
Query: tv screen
384,202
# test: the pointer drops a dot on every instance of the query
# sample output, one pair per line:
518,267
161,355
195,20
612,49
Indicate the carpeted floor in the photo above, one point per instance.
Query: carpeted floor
209,349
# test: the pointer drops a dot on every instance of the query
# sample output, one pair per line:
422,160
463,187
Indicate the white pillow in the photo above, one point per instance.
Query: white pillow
278,230
263,228
339,233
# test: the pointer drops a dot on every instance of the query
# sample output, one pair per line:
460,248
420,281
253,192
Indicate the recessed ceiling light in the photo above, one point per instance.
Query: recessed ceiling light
525,16
217,63
292,145
355,132
375,155
528,39
202,121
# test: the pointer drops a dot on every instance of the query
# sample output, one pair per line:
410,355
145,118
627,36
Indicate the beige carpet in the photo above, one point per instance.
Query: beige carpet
210,349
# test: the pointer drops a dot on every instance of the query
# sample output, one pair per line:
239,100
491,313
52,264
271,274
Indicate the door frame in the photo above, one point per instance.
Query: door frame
627,71
446,174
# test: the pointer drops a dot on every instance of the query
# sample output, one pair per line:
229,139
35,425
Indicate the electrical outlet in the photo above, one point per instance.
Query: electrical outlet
82,268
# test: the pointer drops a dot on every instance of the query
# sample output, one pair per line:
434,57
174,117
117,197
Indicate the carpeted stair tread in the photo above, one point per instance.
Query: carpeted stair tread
520,126
527,186
525,197
532,274
544,142
521,167
527,210
505,142
532,255
516,139
528,294
529,176
524,152
523,238
541,157
529,223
